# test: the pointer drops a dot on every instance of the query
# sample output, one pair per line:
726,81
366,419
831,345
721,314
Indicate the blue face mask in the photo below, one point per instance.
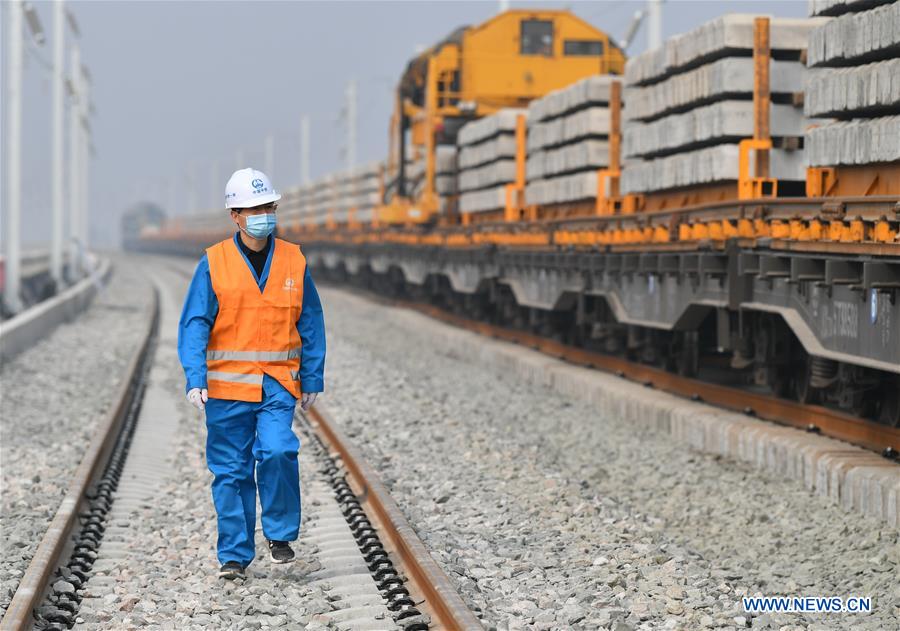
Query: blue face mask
260,226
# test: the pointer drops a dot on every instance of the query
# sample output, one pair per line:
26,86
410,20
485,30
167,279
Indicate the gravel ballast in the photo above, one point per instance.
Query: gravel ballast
54,395
547,516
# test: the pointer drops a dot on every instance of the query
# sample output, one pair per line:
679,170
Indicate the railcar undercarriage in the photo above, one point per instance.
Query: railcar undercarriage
819,329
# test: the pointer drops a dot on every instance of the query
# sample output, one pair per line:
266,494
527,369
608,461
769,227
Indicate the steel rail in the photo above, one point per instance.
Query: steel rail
426,580
868,434
57,539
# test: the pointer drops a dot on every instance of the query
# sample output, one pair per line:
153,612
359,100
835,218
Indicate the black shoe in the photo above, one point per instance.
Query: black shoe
280,551
231,571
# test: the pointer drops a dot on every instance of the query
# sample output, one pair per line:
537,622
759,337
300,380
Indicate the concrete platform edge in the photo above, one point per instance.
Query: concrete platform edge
26,328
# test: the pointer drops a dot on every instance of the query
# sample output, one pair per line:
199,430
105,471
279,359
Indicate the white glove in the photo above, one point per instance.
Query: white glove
198,397
307,399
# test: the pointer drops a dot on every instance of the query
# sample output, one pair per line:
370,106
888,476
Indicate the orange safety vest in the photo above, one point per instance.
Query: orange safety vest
255,332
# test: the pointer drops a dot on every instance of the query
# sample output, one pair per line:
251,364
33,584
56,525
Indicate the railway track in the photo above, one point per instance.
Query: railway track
370,509
78,524
372,565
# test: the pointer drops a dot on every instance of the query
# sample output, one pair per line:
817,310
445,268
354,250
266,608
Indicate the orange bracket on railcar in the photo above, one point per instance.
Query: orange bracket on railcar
754,187
609,201
515,192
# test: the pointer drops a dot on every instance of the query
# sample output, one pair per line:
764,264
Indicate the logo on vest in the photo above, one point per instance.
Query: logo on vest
289,285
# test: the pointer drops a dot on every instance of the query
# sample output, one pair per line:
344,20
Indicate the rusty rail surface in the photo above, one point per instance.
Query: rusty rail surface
57,539
833,423
426,580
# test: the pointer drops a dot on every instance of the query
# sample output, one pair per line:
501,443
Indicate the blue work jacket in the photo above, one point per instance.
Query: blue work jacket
199,314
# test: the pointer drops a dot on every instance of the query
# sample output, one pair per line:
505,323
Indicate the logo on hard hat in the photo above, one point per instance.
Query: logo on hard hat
258,184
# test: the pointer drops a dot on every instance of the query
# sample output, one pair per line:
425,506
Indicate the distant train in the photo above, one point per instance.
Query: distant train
142,219
726,206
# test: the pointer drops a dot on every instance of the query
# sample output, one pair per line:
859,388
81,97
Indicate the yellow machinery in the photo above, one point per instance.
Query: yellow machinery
514,57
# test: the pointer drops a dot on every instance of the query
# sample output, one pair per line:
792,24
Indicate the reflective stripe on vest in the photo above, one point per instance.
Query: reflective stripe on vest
254,356
255,332
233,377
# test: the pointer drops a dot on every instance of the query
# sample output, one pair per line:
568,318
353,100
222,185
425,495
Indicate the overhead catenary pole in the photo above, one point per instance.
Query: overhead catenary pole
57,238
84,190
654,24
12,271
75,134
304,150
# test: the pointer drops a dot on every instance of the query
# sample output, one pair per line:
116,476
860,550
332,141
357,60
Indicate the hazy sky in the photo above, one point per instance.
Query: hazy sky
182,87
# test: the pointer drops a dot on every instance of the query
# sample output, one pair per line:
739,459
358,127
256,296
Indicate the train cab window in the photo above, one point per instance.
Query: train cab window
536,38
582,48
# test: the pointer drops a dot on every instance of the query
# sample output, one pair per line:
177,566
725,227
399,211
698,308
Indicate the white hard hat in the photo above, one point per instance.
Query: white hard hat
248,188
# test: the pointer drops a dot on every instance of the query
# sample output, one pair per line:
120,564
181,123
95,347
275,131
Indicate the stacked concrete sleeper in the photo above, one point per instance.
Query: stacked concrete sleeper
445,175
445,180
358,190
337,193
568,141
318,199
689,103
854,78
487,161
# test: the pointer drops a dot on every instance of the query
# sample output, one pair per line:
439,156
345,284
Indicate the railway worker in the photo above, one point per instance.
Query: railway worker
251,340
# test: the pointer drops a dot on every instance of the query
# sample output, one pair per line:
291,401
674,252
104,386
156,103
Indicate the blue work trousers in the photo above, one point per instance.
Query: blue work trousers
244,439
